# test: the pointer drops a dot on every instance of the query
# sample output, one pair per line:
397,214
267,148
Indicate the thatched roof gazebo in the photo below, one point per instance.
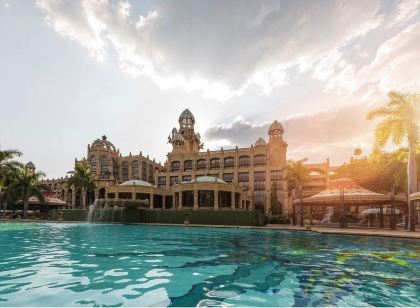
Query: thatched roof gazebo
415,196
345,193
50,203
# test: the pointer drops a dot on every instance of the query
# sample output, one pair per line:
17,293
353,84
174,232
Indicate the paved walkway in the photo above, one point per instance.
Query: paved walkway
400,233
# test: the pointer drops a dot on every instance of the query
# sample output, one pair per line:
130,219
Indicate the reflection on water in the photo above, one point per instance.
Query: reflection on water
122,265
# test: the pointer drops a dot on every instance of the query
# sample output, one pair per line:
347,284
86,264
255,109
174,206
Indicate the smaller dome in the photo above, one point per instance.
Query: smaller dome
136,183
103,143
260,142
30,165
186,117
276,129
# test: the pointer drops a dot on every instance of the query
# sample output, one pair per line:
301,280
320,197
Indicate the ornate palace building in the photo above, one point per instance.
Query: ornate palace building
244,178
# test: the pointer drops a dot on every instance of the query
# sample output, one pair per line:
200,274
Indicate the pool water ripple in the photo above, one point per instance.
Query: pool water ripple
121,265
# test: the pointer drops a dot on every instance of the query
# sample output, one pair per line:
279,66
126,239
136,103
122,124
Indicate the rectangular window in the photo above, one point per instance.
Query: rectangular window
244,161
228,177
259,185
243,177
186,178
162,182
259,176
277,175
174,180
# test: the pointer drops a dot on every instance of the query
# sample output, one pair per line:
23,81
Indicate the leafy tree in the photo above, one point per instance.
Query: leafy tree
400,122
8,168
296,175
357,152
82,178
25,184
275,203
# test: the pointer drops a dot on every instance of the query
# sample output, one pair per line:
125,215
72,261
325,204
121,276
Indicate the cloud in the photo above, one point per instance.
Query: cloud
217,48
318,136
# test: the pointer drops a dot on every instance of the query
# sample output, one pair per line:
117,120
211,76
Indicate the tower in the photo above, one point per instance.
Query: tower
184,139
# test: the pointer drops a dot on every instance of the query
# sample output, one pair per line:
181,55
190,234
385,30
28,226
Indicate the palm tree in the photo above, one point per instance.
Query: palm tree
26,183
82,178
357,152
8,167
297,174
400,123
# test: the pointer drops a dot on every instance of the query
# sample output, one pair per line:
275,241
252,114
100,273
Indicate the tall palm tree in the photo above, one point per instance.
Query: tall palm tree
401,123
8,167
25,184
82,178
297,174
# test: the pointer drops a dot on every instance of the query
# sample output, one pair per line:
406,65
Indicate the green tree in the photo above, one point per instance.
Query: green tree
8,168
275,203
296,175
25,184
82,178
400,122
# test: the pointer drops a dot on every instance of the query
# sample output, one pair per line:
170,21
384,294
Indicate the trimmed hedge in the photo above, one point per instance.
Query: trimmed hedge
206,217
203,217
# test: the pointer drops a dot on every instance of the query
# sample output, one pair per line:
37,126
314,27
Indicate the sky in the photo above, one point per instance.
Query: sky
72,71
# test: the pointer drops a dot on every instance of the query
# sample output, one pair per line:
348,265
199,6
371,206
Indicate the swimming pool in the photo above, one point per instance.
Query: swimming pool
60,264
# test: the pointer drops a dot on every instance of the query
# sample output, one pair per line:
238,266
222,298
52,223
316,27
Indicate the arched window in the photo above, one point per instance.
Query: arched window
244,160
201,164
135,169
260,159
214,163
188,165
175,166
229,162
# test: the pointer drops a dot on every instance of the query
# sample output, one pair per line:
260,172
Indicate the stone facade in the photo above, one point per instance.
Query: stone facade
250,175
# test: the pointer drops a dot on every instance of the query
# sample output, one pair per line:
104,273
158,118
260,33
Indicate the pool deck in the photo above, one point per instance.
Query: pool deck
399,233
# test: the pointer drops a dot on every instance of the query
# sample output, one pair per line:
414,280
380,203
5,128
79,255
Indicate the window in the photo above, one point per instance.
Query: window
143,170
135,169
228,177
201,164
277,175
162,182
188,165
244,160
229,162
215,163
175,166
124,170
259,195
93,163
259,176
173,180
186,178
259,159
277,180
103,162
243,180
151,174
259,185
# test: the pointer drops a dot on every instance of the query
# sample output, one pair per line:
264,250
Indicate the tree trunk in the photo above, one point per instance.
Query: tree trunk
84,199
412,179
25,208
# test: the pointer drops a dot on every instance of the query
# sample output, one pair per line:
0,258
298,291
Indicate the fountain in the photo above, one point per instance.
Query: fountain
327,217
116,210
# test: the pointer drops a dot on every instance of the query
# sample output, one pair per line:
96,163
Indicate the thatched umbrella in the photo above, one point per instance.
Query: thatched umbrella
350,196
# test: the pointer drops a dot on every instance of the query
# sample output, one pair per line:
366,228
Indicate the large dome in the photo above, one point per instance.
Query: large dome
186,117
276,129
103,143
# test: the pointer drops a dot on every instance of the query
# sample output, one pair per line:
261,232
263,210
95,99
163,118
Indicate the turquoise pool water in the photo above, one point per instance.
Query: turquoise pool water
130,265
